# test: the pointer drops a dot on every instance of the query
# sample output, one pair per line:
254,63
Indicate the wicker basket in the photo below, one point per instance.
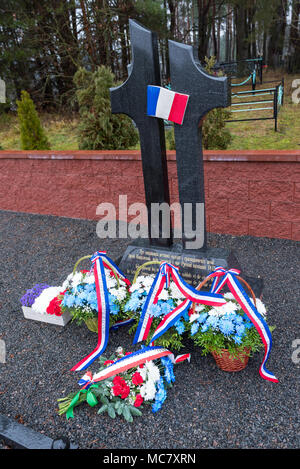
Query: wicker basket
227,363
223,360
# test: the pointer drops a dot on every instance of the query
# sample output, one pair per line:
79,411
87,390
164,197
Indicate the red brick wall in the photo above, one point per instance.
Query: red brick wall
247,193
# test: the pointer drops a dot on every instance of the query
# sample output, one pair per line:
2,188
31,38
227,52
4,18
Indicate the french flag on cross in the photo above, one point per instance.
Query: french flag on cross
166,104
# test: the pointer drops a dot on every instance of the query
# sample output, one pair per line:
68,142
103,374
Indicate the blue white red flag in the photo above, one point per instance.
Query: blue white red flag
166,104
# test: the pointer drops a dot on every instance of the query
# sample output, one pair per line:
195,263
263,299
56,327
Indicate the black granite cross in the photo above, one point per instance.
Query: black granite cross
206,92
131,98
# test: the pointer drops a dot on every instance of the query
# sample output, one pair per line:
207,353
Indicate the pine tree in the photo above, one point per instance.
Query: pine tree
99,129
32,132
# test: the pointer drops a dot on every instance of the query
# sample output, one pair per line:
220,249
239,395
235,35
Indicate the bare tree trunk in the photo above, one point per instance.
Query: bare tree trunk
277,34
88,34
295,38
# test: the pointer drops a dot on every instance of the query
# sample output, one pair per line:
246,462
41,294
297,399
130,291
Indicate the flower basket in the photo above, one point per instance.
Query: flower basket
228,363
92,324
43,303
168,299
235,359
81,300
30,313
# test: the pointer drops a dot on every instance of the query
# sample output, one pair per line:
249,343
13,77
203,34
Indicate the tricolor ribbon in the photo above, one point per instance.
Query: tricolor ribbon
99,261
162,279
130,361
230,278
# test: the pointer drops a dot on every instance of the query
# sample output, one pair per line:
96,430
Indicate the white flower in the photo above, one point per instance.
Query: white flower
41,303
147,281
164,295
143,372
230,306
194,316
260,307
228,296
152,371
148,391
175,292
218,312
89,278
199,307
67,282
77,279
120,351
119,293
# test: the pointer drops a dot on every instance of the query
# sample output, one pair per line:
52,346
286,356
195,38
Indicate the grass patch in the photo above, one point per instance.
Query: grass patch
256,135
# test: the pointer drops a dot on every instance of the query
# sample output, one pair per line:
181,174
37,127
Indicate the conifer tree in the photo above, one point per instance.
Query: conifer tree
32,133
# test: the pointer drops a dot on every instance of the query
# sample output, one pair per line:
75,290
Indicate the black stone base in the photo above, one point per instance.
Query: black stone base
193,265
20,437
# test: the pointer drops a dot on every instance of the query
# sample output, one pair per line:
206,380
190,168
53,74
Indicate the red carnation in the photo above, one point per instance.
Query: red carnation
54,305
138,401
120,387
137,379
108,362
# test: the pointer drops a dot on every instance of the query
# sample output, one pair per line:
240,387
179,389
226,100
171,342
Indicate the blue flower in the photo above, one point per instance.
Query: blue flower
179,326
226,326
136,295
186,316
194,328
155,310
212,321
202,317
114,308
89,287
239,319
237,339
160,396
165,308
69,300
133,304
169,374
240,329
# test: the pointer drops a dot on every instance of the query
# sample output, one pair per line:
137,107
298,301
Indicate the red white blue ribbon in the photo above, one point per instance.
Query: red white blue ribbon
130,361
162,279
230,278
99,261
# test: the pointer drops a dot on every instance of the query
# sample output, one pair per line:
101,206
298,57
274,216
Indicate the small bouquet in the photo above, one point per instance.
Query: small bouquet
80,298
126,393
168,299
226,331
43,300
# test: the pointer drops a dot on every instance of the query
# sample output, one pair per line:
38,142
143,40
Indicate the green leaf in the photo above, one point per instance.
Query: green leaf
102,409
111,411
127,414
135,411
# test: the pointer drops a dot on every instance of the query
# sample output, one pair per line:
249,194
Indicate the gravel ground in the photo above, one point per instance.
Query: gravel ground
207,408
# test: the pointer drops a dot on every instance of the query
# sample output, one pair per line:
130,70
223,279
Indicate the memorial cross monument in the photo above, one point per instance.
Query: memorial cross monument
205,92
